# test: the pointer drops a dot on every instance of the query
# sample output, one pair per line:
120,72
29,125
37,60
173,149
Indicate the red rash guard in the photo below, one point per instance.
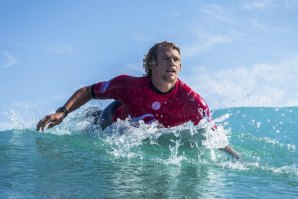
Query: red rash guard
142,101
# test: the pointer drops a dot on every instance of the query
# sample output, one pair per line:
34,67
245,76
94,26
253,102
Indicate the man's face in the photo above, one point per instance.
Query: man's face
167,66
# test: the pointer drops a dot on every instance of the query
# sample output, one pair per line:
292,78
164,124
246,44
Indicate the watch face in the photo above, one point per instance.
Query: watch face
62,109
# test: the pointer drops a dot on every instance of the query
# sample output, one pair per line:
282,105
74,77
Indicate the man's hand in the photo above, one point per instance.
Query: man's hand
50,121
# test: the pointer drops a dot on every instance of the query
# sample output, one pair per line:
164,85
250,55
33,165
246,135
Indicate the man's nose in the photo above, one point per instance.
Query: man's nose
172,61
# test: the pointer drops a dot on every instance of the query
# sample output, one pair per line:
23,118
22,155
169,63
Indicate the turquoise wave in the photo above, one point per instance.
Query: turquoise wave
77,160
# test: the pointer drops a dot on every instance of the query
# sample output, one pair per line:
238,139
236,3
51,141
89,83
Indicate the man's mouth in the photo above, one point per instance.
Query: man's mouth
171,71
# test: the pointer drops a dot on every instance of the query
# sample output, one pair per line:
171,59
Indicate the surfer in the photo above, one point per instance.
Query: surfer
157,96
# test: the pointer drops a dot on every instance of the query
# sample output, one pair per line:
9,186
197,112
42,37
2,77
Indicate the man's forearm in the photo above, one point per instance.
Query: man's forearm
79,98
231,151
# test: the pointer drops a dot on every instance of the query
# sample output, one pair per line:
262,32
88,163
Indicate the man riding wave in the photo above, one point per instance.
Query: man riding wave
158,96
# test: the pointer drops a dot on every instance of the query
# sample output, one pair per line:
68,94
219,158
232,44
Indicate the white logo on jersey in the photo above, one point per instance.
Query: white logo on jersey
104,86
156,105
142,117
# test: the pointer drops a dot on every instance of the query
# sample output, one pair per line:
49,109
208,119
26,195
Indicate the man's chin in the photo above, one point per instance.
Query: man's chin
170,79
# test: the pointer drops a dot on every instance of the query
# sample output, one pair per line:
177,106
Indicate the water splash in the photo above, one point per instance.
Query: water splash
21,120
187,143
131,140
28,119
128,139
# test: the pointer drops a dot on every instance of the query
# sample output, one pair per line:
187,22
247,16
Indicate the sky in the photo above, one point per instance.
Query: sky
234,53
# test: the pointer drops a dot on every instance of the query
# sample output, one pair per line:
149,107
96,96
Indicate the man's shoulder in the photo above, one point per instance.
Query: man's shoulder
129,81
186,92
183,86
130,78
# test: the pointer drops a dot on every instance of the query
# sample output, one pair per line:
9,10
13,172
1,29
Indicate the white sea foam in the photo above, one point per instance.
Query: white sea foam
125,139
288,169
222,118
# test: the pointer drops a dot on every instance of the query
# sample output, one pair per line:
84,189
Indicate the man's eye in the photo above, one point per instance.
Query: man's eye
169,59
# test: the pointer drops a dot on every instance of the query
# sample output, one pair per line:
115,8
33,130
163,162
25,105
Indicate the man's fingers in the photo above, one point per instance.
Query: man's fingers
43,123
46,122
52,124
40,124
49,121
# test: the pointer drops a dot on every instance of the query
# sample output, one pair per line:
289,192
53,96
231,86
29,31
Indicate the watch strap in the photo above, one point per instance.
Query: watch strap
63,110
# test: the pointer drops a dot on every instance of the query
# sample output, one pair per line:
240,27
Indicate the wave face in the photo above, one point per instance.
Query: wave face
79,160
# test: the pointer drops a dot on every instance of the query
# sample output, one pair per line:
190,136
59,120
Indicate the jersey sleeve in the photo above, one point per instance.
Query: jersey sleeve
112,89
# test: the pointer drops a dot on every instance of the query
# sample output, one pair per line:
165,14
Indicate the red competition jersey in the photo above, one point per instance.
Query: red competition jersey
142,101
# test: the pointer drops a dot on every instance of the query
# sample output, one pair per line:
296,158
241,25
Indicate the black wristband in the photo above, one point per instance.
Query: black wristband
62,109
93,92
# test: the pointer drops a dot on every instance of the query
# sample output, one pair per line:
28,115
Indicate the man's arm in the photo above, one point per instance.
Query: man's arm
231,151
79,98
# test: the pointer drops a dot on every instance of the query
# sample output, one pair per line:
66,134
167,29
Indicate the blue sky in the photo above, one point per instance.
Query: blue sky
234,53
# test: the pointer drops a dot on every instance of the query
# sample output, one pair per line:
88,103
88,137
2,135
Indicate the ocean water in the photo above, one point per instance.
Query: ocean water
78,160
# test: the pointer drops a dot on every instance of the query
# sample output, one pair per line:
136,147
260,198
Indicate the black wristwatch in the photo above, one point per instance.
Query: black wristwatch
63,110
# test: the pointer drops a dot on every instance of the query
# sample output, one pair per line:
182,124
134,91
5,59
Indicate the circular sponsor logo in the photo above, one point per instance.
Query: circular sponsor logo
155,105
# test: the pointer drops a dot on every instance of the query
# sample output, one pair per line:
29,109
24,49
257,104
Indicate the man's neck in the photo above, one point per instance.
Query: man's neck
163,86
